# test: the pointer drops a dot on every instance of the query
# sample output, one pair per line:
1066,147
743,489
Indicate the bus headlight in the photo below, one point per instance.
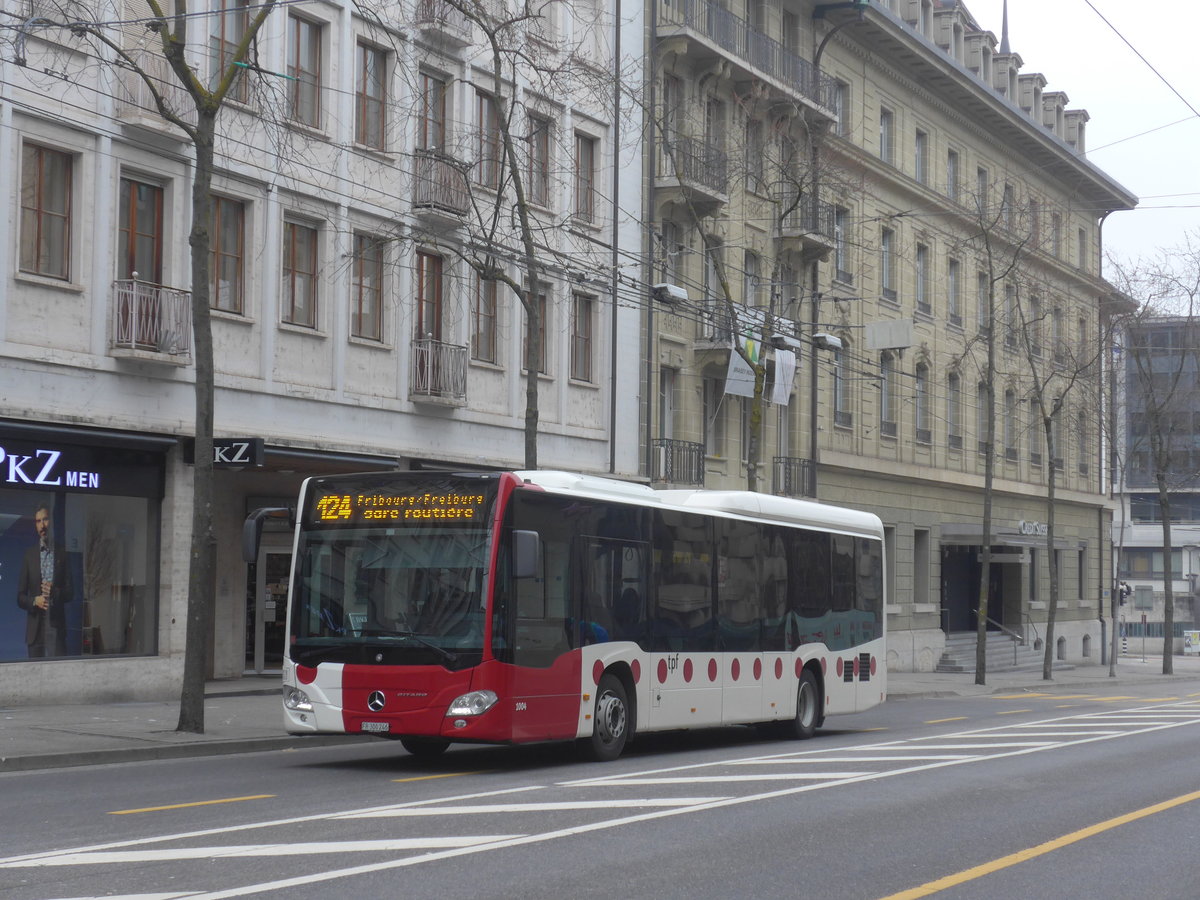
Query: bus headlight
475,703
294,698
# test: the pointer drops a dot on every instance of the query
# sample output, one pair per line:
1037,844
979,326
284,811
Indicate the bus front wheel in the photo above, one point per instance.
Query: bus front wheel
610,723
424,747
808,707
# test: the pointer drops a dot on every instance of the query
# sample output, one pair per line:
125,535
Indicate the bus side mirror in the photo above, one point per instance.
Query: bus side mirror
252,528
527,554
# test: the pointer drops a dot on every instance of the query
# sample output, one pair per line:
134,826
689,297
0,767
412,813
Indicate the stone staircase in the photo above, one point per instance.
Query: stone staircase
1004,654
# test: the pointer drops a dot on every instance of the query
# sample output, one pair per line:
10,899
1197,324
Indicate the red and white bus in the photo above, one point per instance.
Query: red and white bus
540,606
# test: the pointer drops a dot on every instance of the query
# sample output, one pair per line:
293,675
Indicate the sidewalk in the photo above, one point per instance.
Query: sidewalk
244,716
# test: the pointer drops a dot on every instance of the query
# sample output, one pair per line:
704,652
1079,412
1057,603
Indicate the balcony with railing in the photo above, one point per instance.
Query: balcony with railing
443,20
806,224
151,322
135,102
439,372
714,29
696,169
677,462
794,476
439,186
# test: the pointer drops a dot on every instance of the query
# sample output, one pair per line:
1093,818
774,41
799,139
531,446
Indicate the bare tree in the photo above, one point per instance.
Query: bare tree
154,44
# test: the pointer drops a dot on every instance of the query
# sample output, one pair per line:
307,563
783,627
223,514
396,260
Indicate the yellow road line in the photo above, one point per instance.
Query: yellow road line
1025,695
1004,862
1012,712
127,812
1110,699
434,777
940,721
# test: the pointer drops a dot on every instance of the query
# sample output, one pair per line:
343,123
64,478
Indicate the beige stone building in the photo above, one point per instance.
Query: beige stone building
879,193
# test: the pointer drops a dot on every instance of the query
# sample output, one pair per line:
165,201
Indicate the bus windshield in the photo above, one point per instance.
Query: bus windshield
401,591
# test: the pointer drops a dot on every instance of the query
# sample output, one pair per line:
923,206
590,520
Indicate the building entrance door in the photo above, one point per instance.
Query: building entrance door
266,606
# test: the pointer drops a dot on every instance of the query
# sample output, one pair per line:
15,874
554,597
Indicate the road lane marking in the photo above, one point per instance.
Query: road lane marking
1004,862
235,851
951,719
725,779
510,808
146,809
435,777
1012,712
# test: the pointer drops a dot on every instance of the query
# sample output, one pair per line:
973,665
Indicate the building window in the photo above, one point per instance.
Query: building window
752,280
755,156
1035,435
585,178
431,123
229,23
921,157
922,272
299,274
366,286
841,248
982,190
954,411
983,302
887,135
1010,425
428,322
304,71
1056,235
1012,320
543,311
1035,224
1057,343
887,394
982,417
1083,249
141,231
227,263
1034,325
921,405
483,321
841,107
714,417
952,176
1008,205
46,177
488,149
841,391
671,253
539,161
583,324
370,97
887,263
954,292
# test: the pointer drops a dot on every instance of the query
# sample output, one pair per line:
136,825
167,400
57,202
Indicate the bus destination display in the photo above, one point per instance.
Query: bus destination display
388,506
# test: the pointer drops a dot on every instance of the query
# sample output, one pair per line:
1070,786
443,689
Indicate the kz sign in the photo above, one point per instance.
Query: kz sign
45,468
237,452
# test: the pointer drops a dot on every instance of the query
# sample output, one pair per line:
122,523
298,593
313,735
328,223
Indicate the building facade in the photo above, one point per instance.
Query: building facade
365,314
881,188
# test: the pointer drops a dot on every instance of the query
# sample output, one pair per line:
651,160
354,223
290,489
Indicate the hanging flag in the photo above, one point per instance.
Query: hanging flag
739,380
785,371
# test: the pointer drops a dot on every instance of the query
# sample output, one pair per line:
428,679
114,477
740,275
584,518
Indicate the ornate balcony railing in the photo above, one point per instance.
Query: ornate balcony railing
734,35
678,462
795,477
694,161
151,318
440,183
135,101
439,370
807,214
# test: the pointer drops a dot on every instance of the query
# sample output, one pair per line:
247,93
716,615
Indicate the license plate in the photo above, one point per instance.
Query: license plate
376,726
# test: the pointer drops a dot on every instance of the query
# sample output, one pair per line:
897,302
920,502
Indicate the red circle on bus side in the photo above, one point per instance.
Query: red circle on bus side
856,667
712,670
839,667
662,671
757,669
799,666
735,670
872,665
636,668
824,665
306,674
687,670
597,671
778,668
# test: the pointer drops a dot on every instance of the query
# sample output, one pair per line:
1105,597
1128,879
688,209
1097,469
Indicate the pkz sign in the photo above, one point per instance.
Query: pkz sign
44,467
1035,529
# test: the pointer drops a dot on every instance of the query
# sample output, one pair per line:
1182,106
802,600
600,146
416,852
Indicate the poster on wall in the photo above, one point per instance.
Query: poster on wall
78,550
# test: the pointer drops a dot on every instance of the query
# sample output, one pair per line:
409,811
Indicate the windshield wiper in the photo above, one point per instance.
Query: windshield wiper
445,654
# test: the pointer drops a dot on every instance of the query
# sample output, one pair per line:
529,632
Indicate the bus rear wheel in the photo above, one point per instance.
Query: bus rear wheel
610,721
808,707
424,747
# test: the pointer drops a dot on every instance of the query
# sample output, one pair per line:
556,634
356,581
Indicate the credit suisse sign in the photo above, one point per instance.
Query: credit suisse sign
1036,529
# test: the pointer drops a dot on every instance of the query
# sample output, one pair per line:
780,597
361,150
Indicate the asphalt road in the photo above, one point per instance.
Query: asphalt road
1065,793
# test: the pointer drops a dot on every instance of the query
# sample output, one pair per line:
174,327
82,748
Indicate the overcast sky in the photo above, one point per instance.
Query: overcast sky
1070,44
